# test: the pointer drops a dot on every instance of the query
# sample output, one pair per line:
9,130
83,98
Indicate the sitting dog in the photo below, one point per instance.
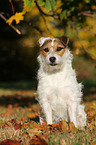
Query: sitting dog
59,93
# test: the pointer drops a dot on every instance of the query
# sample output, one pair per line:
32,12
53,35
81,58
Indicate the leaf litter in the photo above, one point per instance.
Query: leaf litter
19,123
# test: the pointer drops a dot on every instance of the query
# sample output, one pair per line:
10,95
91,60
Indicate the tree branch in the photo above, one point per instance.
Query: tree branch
14,28
12,6
87,13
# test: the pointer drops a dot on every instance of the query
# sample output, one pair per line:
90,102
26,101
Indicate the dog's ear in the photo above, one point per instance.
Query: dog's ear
42,40
64,39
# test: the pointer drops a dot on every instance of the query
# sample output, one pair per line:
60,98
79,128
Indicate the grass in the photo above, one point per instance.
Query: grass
19,109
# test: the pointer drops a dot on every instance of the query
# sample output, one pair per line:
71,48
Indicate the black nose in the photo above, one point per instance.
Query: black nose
52,59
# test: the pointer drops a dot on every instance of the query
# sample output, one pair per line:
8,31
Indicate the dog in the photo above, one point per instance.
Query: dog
59,93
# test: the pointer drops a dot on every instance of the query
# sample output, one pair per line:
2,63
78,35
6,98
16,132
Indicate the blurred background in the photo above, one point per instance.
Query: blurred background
18,52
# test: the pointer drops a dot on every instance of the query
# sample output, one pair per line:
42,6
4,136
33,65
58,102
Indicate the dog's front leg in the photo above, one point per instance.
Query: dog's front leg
47,111
73,109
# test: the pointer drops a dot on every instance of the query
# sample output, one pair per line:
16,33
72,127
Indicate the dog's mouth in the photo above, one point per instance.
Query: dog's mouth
53,64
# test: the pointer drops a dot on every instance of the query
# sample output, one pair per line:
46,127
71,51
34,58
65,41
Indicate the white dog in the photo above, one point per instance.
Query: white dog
59,93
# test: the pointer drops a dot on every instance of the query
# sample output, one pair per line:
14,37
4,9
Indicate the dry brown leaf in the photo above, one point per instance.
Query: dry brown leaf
9,142
62,142
63,125
53,126
44,124
33,132
93,143
38,141
35,125
92,116
27,124
72,127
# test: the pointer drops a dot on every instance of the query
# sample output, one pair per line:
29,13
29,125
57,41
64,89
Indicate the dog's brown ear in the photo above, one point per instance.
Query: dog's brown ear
64,39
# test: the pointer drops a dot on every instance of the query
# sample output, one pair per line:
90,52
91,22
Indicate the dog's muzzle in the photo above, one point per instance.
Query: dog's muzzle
52,60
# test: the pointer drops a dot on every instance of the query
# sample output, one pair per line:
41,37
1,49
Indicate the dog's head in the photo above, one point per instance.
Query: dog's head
52,52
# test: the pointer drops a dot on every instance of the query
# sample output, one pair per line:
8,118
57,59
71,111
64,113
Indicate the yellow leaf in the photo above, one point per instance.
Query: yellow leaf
17,17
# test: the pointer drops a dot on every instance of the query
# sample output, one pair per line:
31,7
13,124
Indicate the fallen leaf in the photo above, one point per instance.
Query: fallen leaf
36,125
38,141
44,136
92,116
33,132
31,115
63,125
10,106
72,128
54,126
44,124
62,142
9,142
93,143
17,126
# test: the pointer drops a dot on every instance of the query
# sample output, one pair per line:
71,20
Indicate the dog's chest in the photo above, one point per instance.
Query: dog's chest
57,90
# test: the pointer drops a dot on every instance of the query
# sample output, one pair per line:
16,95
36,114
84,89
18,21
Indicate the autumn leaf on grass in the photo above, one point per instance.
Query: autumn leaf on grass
91,125
93,106
93,143
17,17
9,142
72,128
15,124
63,125
36,140
35,129
92,117
35,125
44,124
33,132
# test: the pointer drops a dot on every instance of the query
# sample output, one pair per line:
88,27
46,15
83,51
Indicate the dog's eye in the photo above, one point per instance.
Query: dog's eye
59,48
46,49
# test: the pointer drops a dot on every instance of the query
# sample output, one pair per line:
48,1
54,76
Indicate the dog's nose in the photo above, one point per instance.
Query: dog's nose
52,59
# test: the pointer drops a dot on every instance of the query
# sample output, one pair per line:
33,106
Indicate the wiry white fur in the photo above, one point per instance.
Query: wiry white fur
42,40
59,94
53,41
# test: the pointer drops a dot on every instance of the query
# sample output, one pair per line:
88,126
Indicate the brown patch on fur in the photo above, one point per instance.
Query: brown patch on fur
48,45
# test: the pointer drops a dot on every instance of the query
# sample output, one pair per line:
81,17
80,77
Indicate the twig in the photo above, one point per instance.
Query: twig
14,28
87,13
12,6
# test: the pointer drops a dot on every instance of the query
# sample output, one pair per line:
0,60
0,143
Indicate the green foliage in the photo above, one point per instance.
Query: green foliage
48,6
63,15
53,3
41,2
28,4
71,15
87,1
68,9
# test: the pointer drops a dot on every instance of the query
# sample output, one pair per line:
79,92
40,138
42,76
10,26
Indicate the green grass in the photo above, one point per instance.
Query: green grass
17,101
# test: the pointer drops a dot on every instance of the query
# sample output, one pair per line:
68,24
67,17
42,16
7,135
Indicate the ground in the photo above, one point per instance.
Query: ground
19,120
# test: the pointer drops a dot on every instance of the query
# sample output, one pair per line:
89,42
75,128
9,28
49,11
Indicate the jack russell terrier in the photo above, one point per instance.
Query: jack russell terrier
59,93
